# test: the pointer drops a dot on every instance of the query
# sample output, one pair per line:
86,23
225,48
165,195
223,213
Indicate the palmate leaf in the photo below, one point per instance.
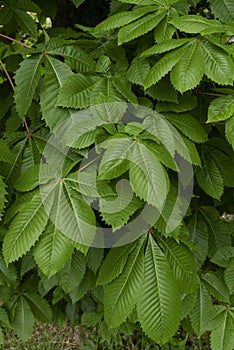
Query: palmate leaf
105,91
218,64
75,92
52,251
140,27
188,72
222,336
23,320
26,78
114,263
25,229
224,256
120,19
163,66
124,88
165,46
183,103
229,131
209,176
188,125
229,279
164,30
202,312
158,305
221,108
56,72
223,10
182,264
5,152
121,295
148,177
75,57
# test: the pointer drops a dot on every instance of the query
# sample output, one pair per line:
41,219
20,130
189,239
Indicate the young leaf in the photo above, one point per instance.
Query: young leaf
26,78
221,108
159,302
121,295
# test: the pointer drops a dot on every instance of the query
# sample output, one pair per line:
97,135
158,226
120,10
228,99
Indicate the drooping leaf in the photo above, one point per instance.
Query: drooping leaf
159,302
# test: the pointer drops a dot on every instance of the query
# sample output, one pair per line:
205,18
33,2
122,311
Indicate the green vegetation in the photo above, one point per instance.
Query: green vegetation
116,171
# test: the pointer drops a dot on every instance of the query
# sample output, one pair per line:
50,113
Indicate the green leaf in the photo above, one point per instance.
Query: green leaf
3,194
198,236
138,71
120,19
221,108
26,22
114,263
25,229
27,78
189,126
163,66
121,295
139,27
165,46
218,64
222,336
209,177
94,258
5,153
229,131
163,91
183,103
197,24
223,10
77,3
117,211
75,57
4,319
202,312
147,176
72,274
39,306
182,264
216,287
224,256
188,72
219,231
229,279
76,90
56,73
23,319
52,251
159,302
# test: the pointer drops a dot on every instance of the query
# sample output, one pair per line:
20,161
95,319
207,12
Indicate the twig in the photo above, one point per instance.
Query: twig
89,163
15,41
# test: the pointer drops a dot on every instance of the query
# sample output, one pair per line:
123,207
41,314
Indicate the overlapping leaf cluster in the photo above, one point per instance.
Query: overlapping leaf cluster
173,57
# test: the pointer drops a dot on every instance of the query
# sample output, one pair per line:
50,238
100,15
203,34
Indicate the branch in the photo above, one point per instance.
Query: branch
15,41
